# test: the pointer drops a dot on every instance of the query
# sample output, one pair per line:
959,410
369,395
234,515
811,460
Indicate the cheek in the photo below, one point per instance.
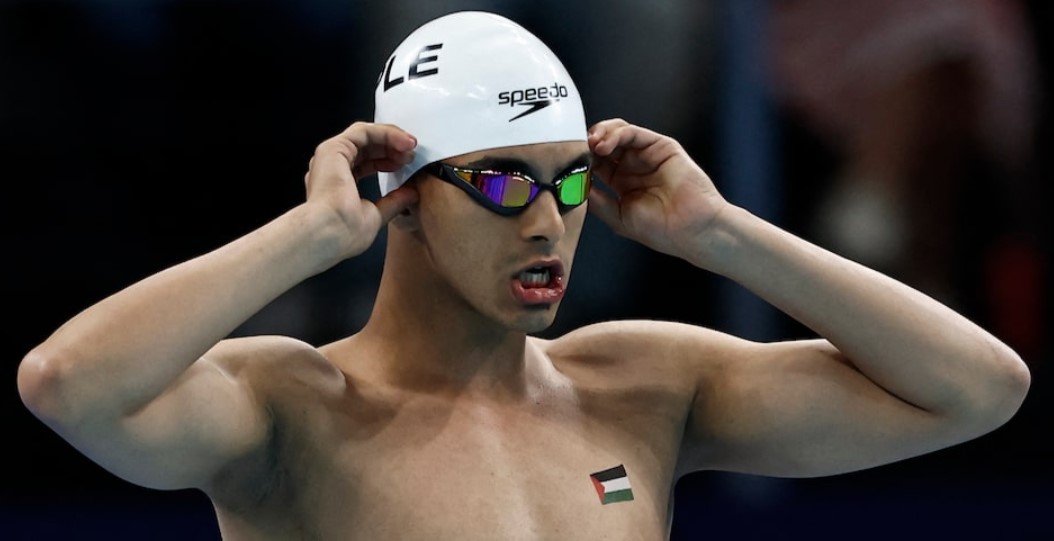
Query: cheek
462,243
574,220
573,223
478,245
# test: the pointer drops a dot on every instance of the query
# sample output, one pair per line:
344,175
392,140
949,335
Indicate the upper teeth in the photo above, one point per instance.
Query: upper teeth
535,277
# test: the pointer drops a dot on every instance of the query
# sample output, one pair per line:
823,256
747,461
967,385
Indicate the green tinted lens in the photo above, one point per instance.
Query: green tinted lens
574,188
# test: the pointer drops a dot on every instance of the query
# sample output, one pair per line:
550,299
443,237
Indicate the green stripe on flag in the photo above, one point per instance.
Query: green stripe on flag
618,496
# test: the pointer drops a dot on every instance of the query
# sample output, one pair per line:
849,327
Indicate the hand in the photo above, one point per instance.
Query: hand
341,161
662,198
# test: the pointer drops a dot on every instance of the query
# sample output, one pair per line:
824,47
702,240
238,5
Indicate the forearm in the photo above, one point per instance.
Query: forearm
125,350
906,342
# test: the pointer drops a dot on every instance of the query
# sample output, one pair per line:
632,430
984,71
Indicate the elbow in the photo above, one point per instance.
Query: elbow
1017,378
1007,386
41,384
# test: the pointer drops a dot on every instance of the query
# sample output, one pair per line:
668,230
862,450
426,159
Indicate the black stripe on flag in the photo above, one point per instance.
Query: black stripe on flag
609,474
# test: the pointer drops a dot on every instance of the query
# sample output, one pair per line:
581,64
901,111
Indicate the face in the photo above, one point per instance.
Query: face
512,269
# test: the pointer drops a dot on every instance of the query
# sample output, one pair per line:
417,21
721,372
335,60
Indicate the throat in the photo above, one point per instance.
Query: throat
448,360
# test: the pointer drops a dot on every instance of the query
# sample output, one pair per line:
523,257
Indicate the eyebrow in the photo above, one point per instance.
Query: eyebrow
517,165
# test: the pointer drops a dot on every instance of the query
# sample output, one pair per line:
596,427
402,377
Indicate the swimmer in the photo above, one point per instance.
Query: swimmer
445,417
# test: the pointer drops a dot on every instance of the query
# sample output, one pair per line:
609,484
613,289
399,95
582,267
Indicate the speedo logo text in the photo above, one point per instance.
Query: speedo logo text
535,99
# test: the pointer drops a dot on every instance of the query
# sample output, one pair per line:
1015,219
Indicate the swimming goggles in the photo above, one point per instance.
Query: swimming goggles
508,193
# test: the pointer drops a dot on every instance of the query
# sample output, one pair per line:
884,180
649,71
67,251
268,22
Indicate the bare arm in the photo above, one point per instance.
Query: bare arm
122,380
897,375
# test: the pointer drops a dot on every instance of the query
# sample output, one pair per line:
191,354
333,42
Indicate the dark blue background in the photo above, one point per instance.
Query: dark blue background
135,135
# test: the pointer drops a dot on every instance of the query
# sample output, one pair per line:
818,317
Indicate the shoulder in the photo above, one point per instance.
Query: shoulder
665,350
635,338
269,362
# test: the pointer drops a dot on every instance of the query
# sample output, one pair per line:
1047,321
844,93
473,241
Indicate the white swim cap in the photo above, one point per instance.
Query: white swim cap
471,81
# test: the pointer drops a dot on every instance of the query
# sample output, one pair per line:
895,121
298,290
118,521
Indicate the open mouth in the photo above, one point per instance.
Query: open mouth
540,284
536,277
546,274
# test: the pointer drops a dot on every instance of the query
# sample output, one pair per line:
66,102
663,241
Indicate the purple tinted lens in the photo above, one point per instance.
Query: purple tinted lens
506,190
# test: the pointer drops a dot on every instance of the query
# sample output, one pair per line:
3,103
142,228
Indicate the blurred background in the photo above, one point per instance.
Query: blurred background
913,136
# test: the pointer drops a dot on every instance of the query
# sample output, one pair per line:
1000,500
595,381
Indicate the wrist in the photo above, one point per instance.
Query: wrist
323,231
716,248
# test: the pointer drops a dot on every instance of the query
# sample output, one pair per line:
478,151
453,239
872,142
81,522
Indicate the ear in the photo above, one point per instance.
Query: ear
407,219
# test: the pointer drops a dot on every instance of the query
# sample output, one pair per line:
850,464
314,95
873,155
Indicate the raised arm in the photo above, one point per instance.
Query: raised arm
137,381
897,375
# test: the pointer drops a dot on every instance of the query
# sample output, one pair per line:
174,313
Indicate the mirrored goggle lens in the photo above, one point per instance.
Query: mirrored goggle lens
504,189
507,190
574,189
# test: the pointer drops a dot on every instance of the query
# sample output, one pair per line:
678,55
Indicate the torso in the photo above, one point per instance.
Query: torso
352,460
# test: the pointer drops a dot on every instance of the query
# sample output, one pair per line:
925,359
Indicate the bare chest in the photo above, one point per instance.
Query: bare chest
434,470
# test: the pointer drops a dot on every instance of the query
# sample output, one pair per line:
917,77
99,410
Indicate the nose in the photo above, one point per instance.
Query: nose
541,220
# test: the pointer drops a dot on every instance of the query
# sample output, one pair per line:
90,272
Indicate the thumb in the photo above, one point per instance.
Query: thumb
395,202
606,207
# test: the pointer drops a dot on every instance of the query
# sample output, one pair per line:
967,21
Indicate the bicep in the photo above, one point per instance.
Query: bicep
205,421
799,409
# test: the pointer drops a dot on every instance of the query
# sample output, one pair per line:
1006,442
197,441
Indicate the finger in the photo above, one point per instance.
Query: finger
375,152
392,204
352,152
606,207
364,134
604,168
634,152
373,141
386,163
604,126
613,143
620,176
598,131
330,162
363,142
606,144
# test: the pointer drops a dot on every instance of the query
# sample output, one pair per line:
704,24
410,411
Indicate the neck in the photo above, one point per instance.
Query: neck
432,340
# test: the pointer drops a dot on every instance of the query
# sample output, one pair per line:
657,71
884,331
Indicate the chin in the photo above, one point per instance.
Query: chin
541,319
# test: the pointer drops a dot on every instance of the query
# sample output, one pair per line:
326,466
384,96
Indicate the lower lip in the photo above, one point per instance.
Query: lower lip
553,293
